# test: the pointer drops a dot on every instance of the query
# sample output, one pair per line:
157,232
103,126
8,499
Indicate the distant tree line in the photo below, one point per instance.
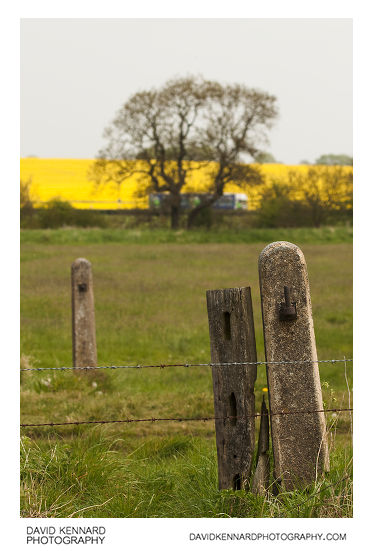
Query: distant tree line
320,195
331,160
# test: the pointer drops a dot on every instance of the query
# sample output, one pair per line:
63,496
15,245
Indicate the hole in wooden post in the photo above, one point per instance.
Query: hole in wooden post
227,325
82,287
236,482
233,409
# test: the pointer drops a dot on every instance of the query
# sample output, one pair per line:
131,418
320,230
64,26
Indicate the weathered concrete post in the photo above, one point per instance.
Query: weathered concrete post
232,339
299,439
83,314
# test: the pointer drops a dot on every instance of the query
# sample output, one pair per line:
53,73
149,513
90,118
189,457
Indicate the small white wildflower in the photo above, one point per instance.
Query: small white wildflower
94,384
99,393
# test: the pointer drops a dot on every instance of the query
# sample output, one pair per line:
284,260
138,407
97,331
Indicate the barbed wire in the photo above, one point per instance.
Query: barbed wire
183,419
162,365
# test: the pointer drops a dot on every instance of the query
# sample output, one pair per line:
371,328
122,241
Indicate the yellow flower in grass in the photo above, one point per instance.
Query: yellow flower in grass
265,389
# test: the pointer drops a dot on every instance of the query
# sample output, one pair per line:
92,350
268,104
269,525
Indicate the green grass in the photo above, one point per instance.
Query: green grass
150,307
174,476
139,235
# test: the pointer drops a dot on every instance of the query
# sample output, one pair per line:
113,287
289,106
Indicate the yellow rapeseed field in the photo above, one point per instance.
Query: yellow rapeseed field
67,179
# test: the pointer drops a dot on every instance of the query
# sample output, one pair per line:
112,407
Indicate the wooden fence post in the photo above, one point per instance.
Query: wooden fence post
299,439
232,339
83,314
260,482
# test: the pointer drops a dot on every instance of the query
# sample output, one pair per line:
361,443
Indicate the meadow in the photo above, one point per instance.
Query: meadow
151,308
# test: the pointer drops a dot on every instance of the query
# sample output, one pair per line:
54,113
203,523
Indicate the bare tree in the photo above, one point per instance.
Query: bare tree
163,135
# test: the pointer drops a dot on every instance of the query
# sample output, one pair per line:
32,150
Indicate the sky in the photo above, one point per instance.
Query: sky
76,74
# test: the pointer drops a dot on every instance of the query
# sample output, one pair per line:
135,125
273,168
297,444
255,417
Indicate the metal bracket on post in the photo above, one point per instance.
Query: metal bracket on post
299,440
288,310
232,339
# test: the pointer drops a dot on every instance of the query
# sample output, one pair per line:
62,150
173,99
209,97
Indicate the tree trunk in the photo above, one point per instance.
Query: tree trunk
175,216
175,209
196,210
192,216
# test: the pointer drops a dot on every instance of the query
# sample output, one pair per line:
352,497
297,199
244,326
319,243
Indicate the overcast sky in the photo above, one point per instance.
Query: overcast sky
76,73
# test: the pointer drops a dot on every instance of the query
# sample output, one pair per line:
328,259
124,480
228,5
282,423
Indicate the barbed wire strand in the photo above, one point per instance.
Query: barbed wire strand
162,365
182,419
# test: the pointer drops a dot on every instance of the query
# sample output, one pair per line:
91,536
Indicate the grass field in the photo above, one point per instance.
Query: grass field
150,307
149,236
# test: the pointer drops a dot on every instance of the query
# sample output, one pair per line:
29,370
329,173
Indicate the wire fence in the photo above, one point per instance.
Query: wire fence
186,419
206,364
181,419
